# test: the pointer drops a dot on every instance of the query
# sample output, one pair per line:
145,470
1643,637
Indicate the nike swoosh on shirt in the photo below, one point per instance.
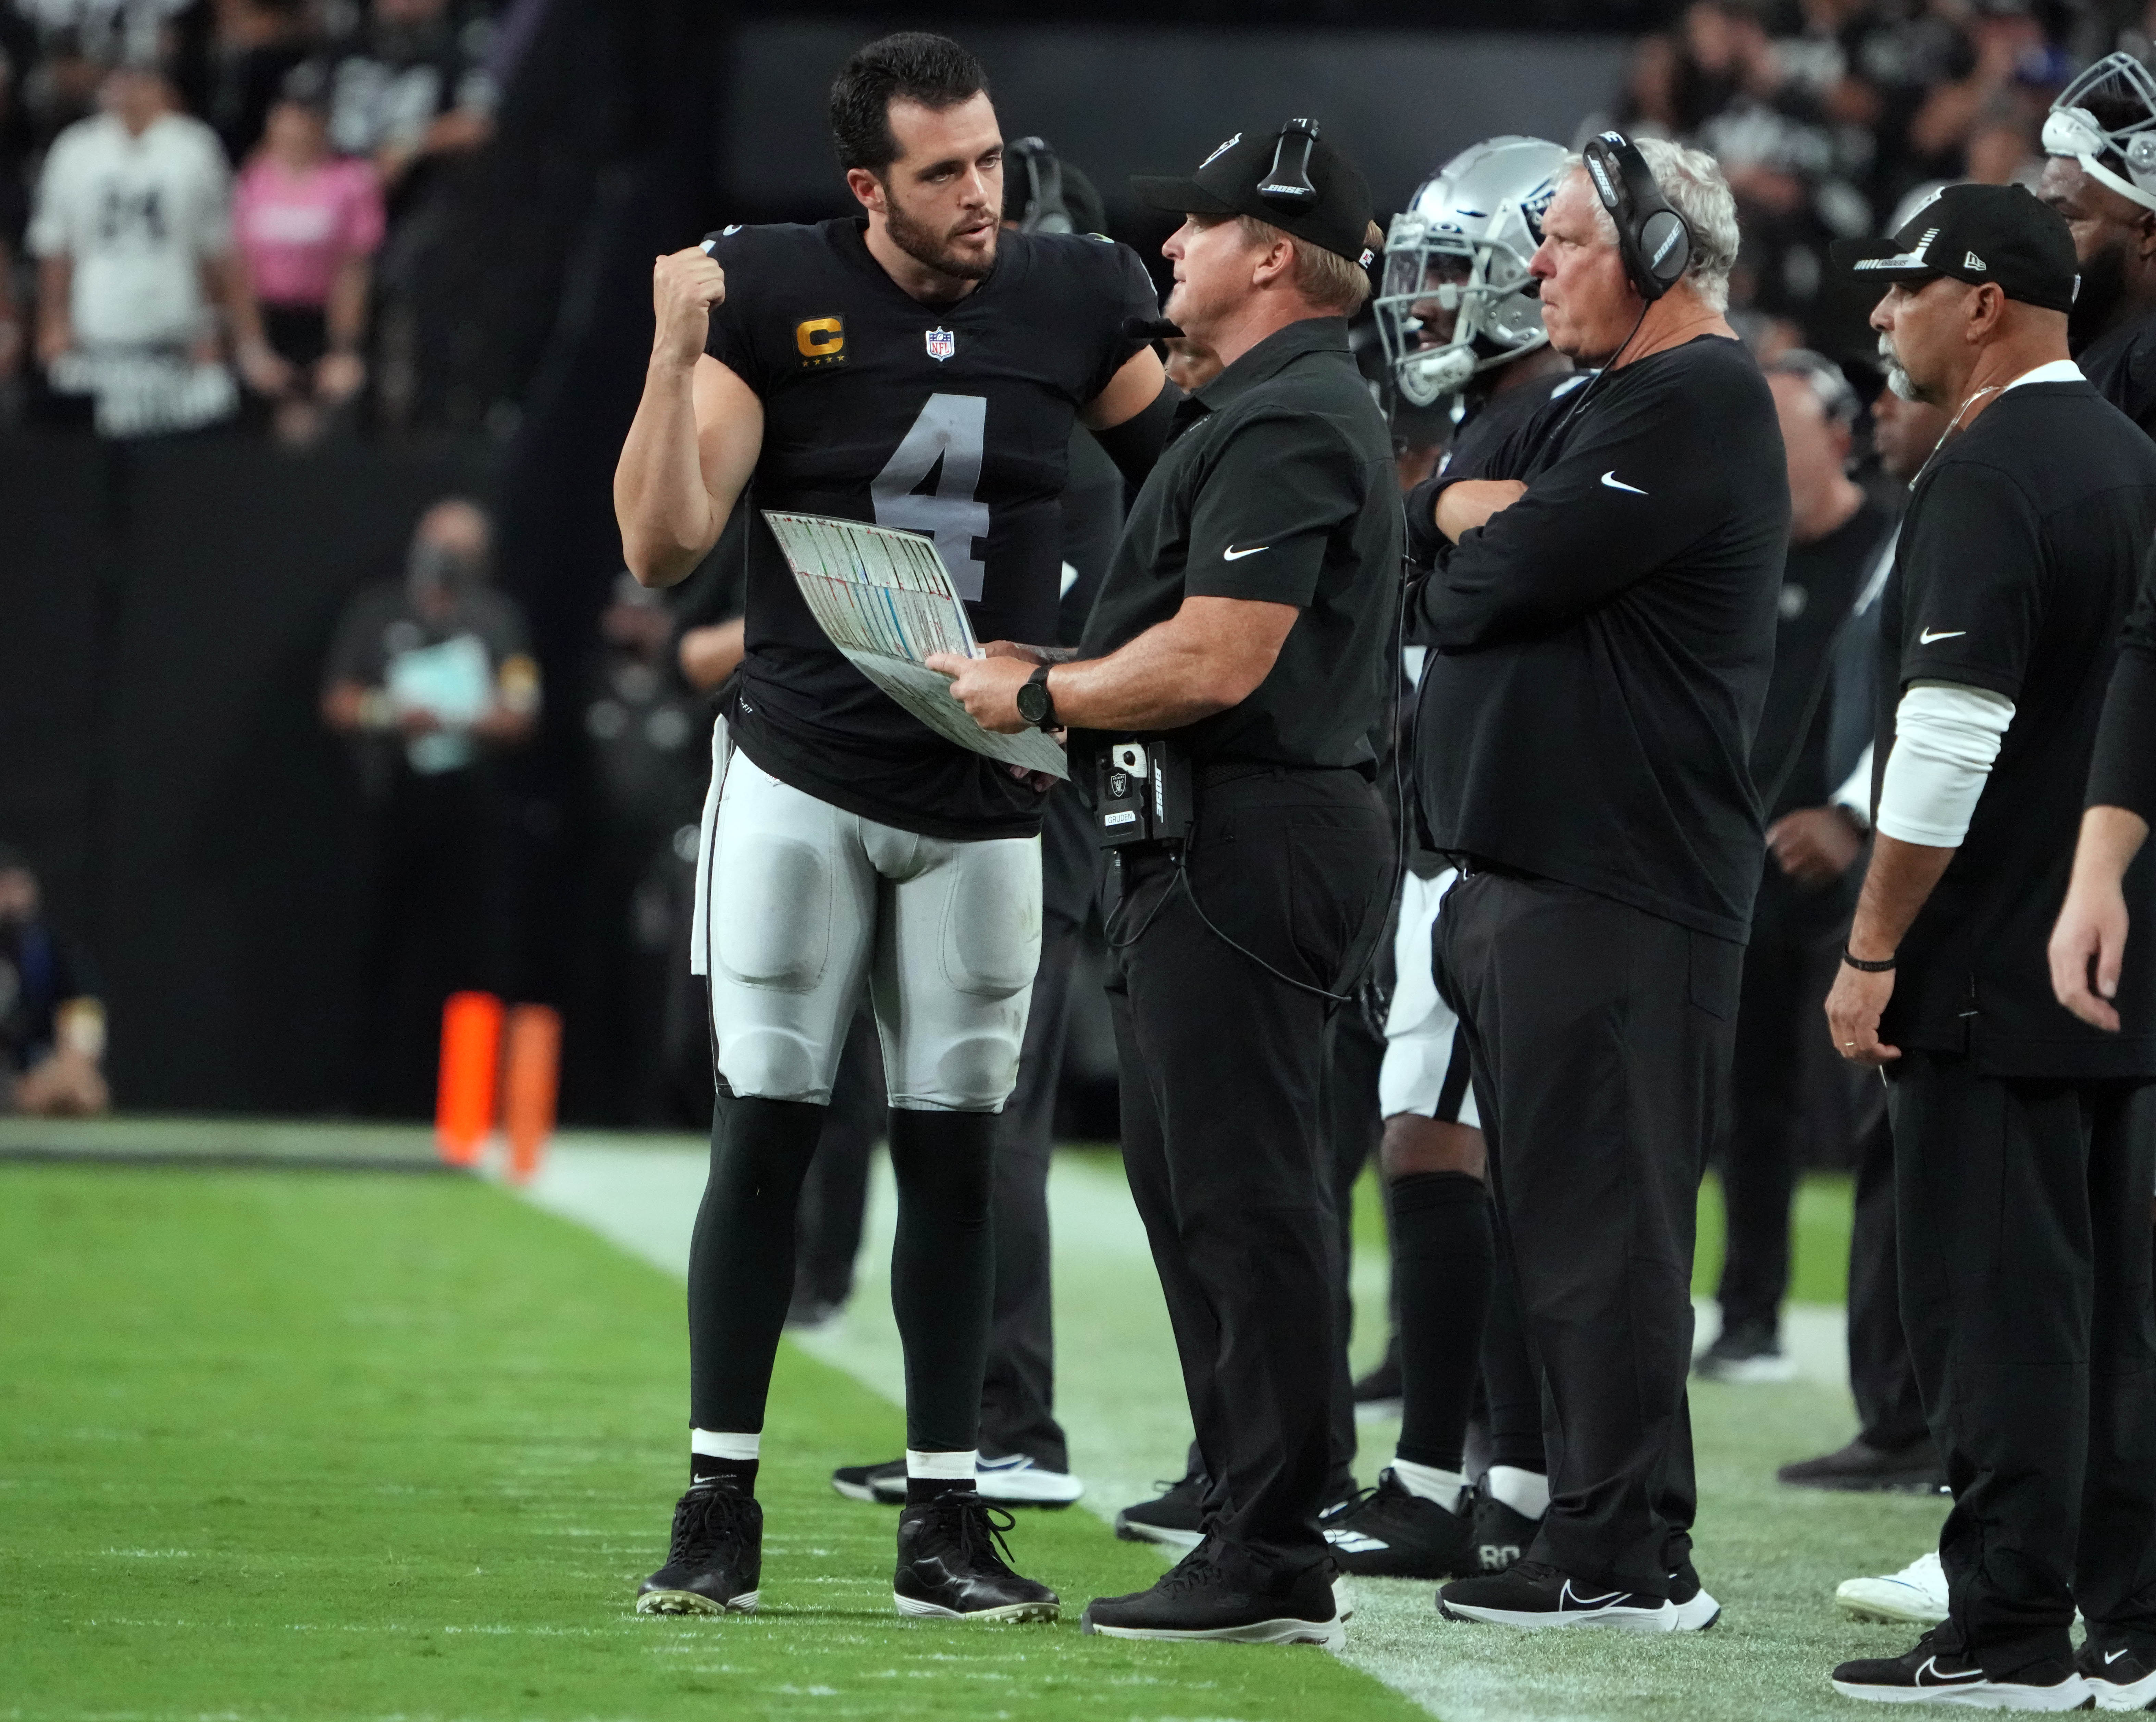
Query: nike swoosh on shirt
1927,636
1614,483
1232,555
2111,1656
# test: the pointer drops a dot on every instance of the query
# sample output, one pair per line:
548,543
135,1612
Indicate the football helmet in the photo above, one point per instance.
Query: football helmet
1455,298
2105,120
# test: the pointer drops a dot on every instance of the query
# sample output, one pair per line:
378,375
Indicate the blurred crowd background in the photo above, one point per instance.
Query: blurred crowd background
320,323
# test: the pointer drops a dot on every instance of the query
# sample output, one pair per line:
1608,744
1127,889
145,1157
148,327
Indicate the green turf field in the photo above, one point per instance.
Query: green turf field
319,1444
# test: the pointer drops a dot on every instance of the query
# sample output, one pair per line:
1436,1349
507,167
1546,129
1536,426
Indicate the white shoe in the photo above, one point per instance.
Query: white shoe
1916,1596
1017,1482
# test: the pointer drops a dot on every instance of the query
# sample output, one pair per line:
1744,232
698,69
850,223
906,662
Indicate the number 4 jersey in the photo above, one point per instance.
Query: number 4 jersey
952,420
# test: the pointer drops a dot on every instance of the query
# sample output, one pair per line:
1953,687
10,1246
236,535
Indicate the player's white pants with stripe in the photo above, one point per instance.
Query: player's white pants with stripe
798,902
1425,1066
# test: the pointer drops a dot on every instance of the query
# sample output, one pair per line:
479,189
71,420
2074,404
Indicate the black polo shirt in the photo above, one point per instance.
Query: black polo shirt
1278,486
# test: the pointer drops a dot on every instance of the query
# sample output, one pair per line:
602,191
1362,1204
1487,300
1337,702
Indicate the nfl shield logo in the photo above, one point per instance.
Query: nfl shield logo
942,344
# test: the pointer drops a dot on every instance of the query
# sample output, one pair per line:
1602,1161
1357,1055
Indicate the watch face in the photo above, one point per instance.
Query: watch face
1033,702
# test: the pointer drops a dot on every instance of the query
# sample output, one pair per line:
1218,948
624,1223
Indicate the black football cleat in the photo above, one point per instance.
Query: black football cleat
1862,1467
715,1556
1532,1594
1931,1675
954,1565
1216,1593
872,1483
1175,1518
1390,1532
1497,1536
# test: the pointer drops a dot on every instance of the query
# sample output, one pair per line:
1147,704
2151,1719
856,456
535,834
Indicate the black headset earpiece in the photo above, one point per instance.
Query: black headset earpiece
1045,212
1288,186
1652,238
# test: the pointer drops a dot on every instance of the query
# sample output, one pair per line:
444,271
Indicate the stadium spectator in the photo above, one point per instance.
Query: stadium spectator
308,225
432,679
231,59
140,293
52,1022
411,88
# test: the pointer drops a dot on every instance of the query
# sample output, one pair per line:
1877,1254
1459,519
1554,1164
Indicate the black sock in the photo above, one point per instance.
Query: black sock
740,1258
1511,1383
742,1471
943,1273
921,1489
1441,1258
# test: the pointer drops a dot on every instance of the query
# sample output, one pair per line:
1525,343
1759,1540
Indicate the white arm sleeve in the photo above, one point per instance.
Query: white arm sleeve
1946,736
1854,797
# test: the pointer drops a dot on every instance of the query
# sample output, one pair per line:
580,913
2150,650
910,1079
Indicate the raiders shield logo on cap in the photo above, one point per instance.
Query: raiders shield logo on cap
942,344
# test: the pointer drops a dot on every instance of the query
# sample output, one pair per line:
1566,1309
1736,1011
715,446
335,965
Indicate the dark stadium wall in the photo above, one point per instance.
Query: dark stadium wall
1120,100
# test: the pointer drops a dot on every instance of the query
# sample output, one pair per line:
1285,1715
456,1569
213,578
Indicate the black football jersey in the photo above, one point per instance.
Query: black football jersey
952,420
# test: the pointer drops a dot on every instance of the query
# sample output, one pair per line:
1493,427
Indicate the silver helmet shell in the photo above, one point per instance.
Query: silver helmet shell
1462,246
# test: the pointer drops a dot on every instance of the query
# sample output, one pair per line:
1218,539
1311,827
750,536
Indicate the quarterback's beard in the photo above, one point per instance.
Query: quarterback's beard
932,249
2103,285
1897,379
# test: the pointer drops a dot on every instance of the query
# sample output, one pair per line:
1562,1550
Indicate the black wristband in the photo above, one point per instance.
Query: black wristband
1869,968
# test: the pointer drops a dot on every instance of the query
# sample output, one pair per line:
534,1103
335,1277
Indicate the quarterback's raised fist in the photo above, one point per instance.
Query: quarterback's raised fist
685,286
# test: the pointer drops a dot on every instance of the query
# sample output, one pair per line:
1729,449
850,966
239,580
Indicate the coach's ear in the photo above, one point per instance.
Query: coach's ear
866,186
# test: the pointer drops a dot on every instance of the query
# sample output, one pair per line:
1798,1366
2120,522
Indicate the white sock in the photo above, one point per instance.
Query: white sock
723,1444
1527,1492
941,1466
1430,1483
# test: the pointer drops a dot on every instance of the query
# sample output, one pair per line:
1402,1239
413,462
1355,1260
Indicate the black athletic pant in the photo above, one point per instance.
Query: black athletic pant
2024,1251
1223,1076
1601,1037
1788,966
1889,1412
1354,1129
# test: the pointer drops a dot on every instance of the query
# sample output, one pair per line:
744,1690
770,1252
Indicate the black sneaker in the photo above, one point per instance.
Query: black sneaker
1696,1610
1913,1470
1930,1675
872,1483
1175,1518
1533,1595
1497,1536
1747,1354
715,1556
1378,1394
2121,1678
1389,1532
1216,1592
954,1565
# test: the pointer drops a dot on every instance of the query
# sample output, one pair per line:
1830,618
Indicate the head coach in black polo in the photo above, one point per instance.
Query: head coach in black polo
1243,628
1605,631
2023,1150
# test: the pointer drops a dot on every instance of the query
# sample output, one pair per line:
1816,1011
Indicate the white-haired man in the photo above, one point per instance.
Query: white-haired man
1605,631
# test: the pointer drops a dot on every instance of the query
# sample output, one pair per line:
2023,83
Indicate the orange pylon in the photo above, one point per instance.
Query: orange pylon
464,1097
531,1073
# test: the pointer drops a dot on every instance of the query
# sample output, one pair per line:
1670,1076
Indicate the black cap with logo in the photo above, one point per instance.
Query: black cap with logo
1976,234
1291,178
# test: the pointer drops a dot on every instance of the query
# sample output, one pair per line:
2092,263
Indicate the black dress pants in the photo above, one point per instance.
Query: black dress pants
1223,1079
1601,1037
2024,1254
1889,1412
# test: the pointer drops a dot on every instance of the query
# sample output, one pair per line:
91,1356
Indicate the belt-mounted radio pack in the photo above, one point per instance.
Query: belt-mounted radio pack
1142,792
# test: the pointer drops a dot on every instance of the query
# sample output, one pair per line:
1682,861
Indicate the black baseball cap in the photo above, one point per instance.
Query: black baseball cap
1291,177
1976,234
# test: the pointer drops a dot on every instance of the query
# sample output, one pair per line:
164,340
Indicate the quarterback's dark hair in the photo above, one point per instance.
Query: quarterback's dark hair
910,66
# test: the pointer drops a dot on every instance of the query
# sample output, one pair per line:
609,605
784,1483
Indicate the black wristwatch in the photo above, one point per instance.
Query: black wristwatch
1035,705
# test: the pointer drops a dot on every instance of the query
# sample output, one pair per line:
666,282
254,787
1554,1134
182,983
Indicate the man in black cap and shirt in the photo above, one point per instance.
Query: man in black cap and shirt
2023,1153
1605,631
1245,625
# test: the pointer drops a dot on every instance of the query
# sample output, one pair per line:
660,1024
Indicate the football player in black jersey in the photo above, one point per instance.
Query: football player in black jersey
917,368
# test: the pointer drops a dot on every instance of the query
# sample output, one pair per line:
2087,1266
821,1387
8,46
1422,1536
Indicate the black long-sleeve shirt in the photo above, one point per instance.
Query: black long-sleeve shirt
2123,773
1606,643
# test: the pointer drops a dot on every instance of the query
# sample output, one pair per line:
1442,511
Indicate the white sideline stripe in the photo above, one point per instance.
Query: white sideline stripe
1119,1392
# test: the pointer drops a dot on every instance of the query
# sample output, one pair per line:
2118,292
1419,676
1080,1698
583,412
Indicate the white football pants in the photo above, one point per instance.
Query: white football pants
798,901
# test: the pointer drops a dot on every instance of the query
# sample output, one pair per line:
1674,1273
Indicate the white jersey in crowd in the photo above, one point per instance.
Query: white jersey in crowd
138,215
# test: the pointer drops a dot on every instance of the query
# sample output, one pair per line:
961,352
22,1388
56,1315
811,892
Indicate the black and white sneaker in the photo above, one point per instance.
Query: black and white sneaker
1498,1537
1378,1394
1532,1594
1747,1354
884,1483
1215,1592
2121,1678
1391,1532
714,1557
1175,1518
1696,1610
1928,1675
954,1565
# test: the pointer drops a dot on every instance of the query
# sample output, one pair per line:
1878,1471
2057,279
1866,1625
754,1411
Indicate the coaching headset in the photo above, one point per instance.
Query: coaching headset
1652,239
1044,212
